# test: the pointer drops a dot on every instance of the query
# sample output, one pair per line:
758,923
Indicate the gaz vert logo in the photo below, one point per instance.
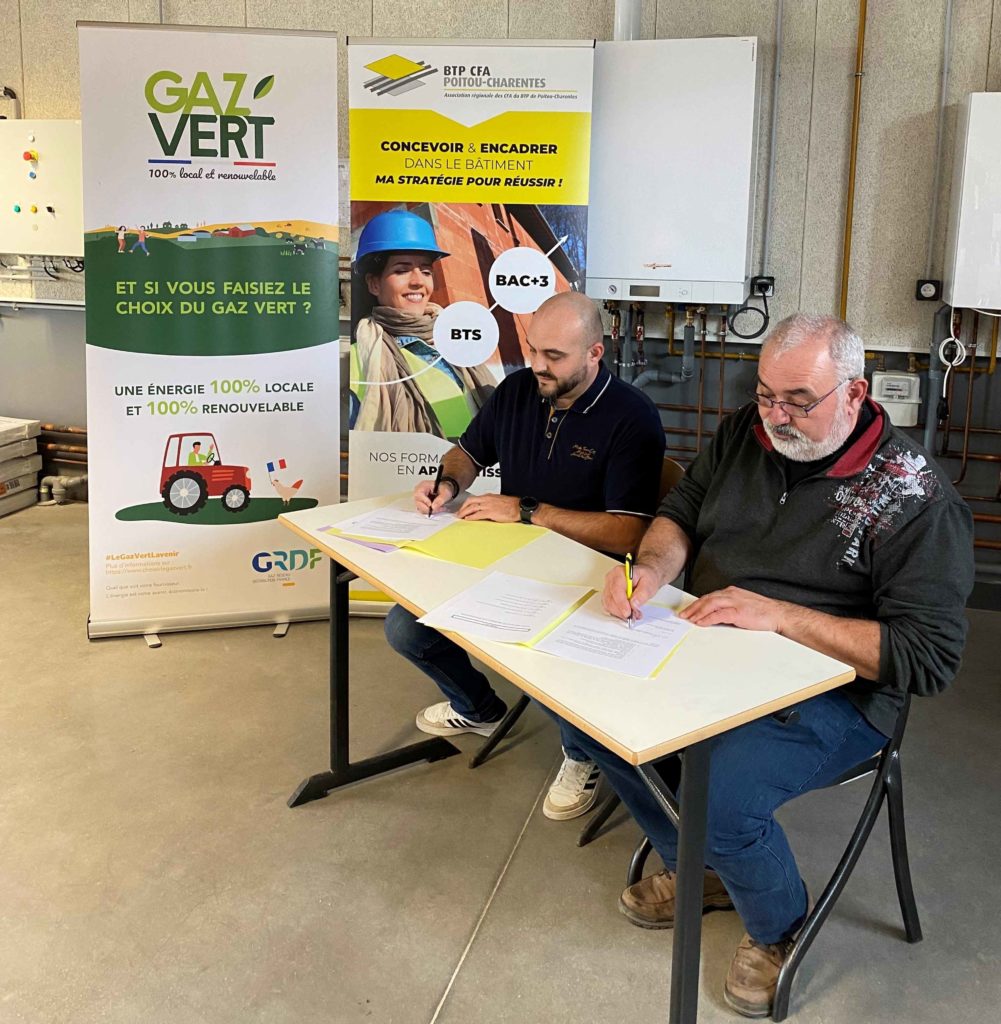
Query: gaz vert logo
213,118
396,74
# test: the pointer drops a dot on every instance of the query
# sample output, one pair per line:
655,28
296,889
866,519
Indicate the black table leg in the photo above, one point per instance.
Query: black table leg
693,800
342,769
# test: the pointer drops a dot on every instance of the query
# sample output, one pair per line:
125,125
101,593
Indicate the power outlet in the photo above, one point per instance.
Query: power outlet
763,286
928,290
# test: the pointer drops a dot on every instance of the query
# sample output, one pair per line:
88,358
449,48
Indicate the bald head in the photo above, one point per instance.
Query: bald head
573,315
565,346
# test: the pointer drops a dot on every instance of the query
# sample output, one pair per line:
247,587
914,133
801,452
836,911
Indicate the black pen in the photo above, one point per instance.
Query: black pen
437,484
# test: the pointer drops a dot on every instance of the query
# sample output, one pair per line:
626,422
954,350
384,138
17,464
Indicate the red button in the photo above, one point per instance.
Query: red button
30,154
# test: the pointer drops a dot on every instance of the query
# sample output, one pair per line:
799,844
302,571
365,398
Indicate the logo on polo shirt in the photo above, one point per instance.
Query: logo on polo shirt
580,451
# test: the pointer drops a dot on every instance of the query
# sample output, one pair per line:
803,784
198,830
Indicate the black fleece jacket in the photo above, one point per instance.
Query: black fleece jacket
881,535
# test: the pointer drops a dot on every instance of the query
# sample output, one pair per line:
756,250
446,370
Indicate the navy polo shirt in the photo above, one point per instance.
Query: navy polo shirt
603,454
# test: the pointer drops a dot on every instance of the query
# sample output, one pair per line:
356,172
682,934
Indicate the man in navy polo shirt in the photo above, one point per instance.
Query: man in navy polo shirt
580,452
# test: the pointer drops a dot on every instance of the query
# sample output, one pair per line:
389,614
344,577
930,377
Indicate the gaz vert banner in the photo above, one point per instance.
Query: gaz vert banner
211,250
469,188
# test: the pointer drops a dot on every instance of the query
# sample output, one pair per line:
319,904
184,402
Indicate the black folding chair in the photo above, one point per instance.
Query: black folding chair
887,785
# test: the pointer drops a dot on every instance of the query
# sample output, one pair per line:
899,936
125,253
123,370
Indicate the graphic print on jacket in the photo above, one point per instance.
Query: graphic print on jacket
890,491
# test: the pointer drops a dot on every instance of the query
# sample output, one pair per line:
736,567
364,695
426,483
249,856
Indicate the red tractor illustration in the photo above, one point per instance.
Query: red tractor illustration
193,472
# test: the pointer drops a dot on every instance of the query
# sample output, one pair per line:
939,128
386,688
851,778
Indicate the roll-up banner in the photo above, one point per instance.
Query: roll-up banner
210,206
469,188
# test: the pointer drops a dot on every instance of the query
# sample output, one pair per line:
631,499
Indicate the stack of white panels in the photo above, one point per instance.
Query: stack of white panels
19,464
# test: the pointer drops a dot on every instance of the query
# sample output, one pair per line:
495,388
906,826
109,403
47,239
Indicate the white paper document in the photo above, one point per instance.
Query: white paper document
591,636
395,524
512,609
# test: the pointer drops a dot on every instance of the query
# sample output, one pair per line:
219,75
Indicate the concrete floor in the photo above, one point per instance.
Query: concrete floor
150,870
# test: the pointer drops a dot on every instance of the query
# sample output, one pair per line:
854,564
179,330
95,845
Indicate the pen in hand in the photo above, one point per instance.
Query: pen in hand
629,587
437,484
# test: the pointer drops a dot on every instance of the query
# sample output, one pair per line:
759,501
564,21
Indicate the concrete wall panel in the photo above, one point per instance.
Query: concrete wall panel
204,12
345,17
563,19
51,55
10,47
440,19
827,157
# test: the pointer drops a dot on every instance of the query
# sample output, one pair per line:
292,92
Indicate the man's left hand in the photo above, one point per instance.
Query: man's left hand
497,508
736,607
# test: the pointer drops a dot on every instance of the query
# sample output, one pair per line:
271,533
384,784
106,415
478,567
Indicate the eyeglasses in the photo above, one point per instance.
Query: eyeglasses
792,408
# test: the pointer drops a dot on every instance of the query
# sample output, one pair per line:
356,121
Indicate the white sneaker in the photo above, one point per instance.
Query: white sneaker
574,791
442,720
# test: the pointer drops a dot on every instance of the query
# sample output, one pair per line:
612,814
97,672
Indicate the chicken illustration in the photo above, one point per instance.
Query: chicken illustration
285,491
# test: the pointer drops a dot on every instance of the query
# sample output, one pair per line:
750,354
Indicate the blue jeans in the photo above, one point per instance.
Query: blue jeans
467,689
754,769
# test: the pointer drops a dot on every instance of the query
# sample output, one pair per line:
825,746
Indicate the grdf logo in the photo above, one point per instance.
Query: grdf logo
396,74
286,561
213,128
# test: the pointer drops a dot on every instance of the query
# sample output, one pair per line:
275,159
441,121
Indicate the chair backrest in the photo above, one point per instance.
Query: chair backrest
670,473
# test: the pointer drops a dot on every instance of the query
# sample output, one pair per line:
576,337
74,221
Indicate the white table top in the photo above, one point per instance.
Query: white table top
719,677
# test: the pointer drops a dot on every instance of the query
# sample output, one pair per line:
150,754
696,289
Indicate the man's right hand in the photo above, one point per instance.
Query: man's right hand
646,583
423,492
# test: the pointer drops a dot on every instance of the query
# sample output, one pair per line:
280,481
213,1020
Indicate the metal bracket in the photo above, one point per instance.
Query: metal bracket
152,640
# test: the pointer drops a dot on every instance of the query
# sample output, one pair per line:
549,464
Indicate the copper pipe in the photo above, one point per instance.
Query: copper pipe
972,352
992,364
850,201
983,517
974,456
923,365
684,408
682,448
721,333
639,333
81,449
63,430
980,497
688,431
743,357
669,313
702,381
994,545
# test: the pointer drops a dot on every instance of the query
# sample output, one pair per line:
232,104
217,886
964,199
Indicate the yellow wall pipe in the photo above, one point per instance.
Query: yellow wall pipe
850,202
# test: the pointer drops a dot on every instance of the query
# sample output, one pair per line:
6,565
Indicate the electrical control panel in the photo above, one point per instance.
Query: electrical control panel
41,188
673,147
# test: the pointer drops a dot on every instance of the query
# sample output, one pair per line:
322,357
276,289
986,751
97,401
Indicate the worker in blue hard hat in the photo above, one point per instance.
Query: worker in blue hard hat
398,379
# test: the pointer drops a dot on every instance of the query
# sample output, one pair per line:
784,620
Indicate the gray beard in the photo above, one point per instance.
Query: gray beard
794,446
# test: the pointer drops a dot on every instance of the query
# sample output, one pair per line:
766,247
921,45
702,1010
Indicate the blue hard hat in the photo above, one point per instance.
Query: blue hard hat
397,231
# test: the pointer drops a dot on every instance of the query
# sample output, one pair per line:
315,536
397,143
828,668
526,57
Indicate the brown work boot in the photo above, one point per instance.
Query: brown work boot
650,902
754,971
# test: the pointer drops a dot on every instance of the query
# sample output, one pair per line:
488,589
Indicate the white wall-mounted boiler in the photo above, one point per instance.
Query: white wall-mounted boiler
673,151
972,275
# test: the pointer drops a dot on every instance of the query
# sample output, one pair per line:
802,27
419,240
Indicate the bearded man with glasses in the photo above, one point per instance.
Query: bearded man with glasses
811,515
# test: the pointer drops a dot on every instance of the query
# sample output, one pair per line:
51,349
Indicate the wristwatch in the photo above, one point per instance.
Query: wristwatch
528,507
